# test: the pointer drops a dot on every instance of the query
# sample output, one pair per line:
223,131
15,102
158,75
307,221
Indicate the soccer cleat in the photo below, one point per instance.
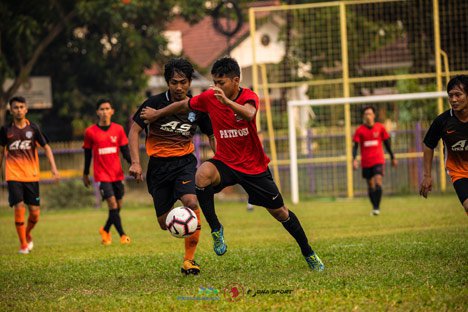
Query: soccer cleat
106,237
23,251
30,242
375,212
125,240
315,263
250,207
219,245
190,267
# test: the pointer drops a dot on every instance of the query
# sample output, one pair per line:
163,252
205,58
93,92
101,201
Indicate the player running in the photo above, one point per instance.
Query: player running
240,158
452,127
172,165
102,142
18,143
370,136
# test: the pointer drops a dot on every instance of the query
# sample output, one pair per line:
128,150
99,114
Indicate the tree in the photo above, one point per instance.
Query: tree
90,49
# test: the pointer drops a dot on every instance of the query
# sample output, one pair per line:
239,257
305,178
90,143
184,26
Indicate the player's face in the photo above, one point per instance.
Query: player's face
230,86
369,117
105,112
18,110
178,87
458,99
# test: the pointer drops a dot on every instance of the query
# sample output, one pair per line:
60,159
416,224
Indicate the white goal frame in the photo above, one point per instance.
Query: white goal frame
337,101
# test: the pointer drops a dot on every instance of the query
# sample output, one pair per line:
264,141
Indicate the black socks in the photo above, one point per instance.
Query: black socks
114,218
294,227
205,197
375,196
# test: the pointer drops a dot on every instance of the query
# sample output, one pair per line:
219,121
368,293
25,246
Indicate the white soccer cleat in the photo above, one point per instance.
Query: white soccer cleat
23,251
375,212
30,245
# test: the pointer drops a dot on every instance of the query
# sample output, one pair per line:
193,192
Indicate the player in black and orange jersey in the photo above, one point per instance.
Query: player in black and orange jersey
452,127
172,165
102,141
18,144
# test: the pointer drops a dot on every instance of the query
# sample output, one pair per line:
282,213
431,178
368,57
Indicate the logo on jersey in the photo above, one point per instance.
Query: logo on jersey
113,139
233,133
460,146
29,134
238,118
376,134
177,127
191,116
20,145
107,150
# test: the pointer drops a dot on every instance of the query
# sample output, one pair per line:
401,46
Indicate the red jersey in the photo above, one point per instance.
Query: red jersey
370,141
238,145
105,145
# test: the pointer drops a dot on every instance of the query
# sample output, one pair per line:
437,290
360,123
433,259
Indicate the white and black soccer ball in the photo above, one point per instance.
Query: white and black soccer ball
181,222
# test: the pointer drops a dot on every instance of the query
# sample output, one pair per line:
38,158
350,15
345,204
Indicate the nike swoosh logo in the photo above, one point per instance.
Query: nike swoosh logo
185,182
276,196
450,131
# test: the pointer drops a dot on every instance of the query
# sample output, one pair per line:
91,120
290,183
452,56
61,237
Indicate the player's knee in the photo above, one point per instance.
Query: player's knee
34,215
280,214
192,204
203,178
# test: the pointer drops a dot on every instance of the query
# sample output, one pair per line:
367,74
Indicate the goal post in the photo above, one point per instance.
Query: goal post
292,127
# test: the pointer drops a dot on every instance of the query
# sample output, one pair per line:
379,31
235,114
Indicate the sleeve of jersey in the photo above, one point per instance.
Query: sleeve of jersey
123,137
205,124
434,134
88,143
3,137
41,138
198,102
356,137
253,100
385,135
137,118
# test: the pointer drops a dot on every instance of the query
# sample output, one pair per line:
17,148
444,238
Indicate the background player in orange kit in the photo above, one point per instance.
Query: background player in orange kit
18,143
102,142
452,127
172,165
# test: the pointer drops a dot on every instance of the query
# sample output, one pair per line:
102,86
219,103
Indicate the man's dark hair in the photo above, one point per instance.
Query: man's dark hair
178,65
17,99
366,108
102,101
225,67
460,80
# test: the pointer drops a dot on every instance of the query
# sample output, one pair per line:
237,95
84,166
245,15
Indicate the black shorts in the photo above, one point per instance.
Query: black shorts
461,187
27,192
109,189
170,178
368,173
261,188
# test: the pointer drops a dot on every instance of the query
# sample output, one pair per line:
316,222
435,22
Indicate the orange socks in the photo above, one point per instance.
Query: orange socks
20,228
32,220
192,241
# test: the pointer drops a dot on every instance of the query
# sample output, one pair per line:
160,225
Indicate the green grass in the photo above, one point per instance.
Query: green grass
412,257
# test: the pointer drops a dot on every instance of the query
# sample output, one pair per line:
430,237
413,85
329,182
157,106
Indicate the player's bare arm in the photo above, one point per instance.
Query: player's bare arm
426,184
247,111
135,169
150,114
50,157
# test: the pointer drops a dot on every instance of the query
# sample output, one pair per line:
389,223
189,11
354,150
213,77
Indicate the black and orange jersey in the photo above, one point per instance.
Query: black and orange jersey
21,158
171,136
454,134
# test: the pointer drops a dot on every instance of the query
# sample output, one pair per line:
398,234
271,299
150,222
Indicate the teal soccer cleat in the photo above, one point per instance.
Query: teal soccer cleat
315,263
219,246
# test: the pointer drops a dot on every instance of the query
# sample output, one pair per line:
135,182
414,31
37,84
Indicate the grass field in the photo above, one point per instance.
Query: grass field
412,257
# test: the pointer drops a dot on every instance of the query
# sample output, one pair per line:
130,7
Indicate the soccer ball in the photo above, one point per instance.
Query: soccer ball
181,222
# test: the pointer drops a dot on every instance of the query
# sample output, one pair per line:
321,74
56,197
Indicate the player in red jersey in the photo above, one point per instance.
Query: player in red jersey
452,127
18,144
102,142
169,145
239,158
370,136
